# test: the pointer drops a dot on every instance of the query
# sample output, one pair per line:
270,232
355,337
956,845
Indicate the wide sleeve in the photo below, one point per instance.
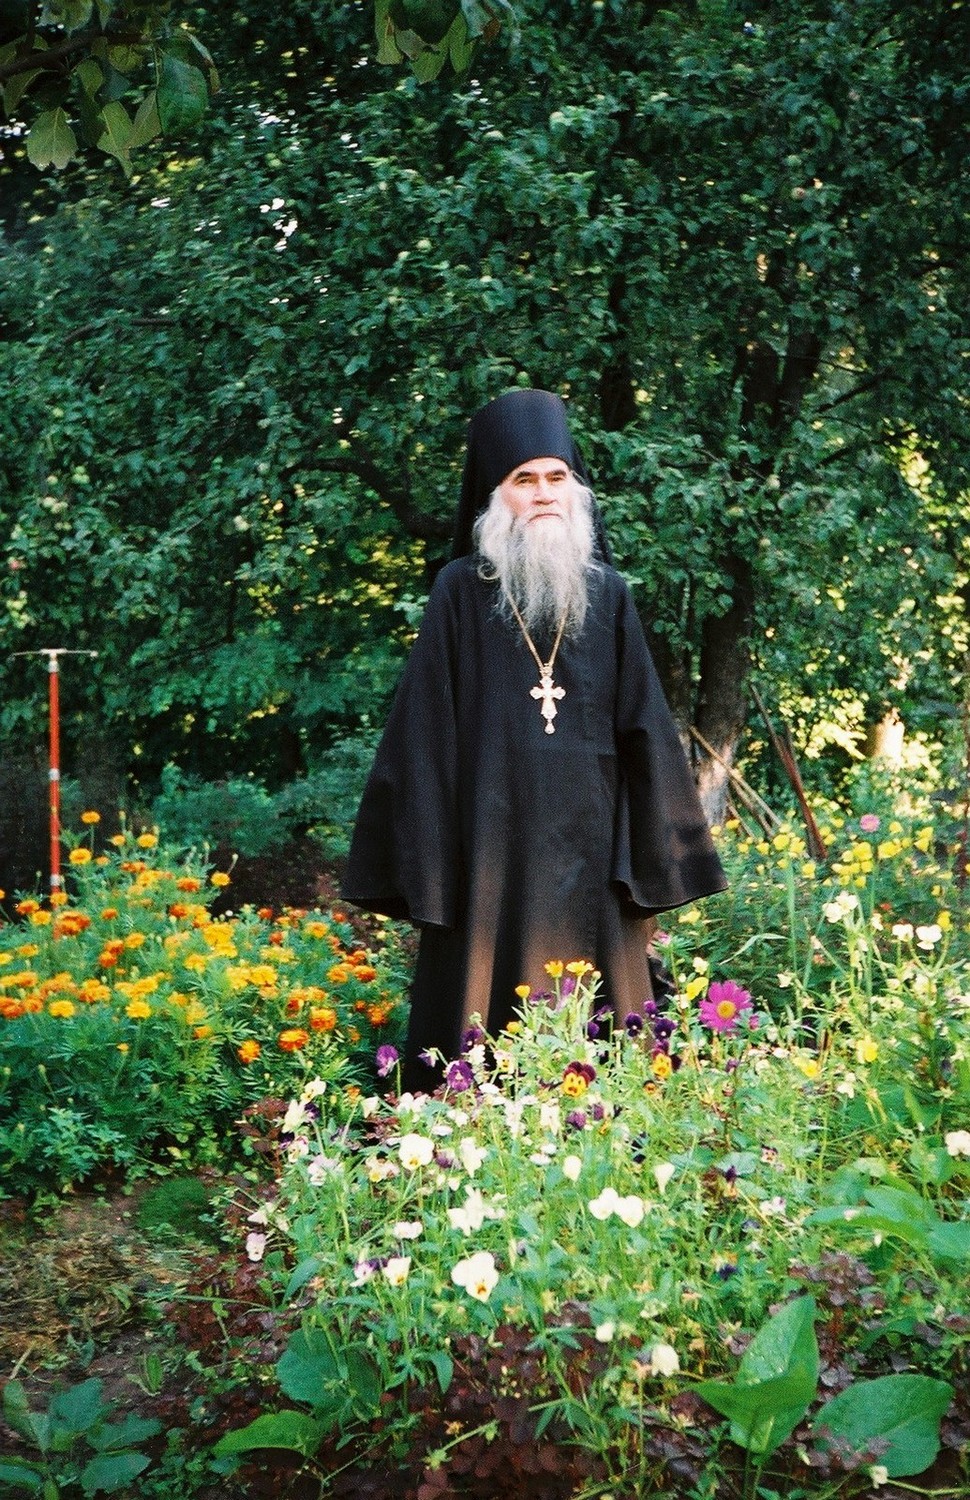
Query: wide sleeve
404,854
663,853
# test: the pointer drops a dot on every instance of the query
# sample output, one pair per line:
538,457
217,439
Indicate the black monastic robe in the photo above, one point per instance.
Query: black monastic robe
508,846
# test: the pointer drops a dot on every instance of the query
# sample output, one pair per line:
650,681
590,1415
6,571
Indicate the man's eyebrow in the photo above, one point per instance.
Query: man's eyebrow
527,471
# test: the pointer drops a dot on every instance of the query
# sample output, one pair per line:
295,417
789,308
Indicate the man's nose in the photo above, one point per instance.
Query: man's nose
544,494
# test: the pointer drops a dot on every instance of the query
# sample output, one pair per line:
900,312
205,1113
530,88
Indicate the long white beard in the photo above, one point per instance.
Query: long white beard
543,567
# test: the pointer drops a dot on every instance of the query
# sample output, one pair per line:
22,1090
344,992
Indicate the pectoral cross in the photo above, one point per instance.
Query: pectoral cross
548,692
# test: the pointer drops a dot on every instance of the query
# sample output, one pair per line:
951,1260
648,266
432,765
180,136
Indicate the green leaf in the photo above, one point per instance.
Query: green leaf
20,1474
112,1471
302,1273
950,1241
776,1382
146,124
905,1410
51,142
115,139
307,1368
294,1430
125,1434
182,95
79,1408
33,1425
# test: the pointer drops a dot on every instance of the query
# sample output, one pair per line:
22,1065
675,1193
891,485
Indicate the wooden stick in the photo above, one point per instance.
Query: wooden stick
755,803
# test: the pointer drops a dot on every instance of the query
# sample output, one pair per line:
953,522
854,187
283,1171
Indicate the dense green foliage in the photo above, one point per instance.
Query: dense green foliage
734,237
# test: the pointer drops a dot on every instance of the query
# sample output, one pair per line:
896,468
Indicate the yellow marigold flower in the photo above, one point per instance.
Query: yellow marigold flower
59,898
40,918
91,817
92,990
248,1052
117,839
178,998
138,1010
62,1009
523,991
147,840
514,1027
579,967
196,962
866,1050
339,974
220,878
554,968
195,1013
6,958
809,870
101,860
316,930
121,1046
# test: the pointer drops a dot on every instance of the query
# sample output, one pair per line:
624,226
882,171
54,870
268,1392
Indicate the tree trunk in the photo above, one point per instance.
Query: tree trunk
721,703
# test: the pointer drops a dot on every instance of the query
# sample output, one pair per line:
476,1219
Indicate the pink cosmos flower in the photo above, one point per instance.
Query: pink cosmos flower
724,1005
869,822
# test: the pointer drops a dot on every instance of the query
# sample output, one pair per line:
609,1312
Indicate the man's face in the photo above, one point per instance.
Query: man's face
539,491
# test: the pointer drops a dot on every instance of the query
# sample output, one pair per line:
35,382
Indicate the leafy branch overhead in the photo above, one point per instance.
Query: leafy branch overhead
431,33
115,74
108,74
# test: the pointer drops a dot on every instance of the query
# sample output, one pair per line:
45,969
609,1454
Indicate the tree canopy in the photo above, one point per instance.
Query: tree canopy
733,238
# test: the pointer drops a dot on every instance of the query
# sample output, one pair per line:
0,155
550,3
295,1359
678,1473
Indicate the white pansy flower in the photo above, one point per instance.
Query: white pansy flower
470,1215
631,1210
571,1167
664,1360
408,1229
255,1245
927,937
471,1155
663,1173
605,1205
313,1090
415,1151
396,1269
957,1142
478,1275
294,1118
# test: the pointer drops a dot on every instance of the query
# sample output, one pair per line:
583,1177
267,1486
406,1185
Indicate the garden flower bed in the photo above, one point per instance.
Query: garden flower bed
721,1250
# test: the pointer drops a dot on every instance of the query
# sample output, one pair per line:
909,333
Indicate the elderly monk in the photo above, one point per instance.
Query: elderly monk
530,799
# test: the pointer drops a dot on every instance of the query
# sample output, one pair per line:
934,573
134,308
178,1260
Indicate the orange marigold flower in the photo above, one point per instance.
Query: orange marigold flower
188,883
353,1035
92,990
201,1032
265,913
322,1018
27,908
109,913
248,1052
12,1010
365,973
293,1039
32,1004
134,939
339,974
220,878
378,1015
339,916
91,817
179,909
316,930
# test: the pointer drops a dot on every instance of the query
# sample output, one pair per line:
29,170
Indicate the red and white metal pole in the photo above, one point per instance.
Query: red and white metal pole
53,654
